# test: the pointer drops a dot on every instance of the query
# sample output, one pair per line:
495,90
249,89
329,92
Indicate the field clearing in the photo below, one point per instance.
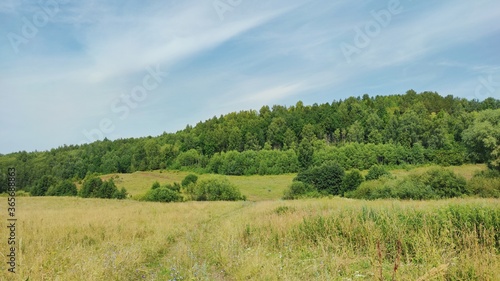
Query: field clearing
320,239
255,188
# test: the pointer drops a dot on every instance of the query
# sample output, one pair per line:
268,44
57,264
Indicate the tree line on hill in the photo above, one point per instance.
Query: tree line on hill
356,133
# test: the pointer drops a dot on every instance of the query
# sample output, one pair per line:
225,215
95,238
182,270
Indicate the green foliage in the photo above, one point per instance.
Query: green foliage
484,187
305,154
299,189
446,226
363,156
356,132
175,186
89,186
64,188
263,162
375,172
485,184
216,189
163,194
106,190
433,184
95,187
189,179
326,178
155,185
43,185
483,138
445,183
189,158
375,189
351,181
120,194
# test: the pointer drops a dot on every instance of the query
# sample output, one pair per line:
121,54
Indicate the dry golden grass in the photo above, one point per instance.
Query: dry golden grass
320,239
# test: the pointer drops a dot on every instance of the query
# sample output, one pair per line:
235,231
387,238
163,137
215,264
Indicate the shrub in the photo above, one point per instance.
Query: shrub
155,185
175,186
94,187
326,178
371,190
64,188
299,189
444,182
484,187
189,179
106,190
120,194
412,188
351,181
485,184
434,184
216,189
375,172
190,158
163,194
89,186
43,185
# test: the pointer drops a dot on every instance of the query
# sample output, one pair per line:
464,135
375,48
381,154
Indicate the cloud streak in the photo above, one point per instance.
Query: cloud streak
65,79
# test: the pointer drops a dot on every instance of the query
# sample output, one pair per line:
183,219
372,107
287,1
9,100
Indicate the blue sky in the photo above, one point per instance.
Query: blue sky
75,71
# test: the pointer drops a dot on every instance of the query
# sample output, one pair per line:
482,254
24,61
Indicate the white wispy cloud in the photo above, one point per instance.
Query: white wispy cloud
92,52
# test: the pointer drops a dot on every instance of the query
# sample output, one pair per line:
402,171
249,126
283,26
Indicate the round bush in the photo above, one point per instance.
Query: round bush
216,189
64,188
191,178
326,178
163,194
375,172
297,189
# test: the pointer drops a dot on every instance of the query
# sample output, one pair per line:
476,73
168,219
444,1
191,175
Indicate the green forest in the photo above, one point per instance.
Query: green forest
342,137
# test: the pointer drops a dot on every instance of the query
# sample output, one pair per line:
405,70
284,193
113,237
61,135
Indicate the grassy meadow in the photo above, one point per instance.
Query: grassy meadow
264,238
255,188
319,239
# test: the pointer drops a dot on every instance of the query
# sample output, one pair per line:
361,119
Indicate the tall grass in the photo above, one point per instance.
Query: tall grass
318,239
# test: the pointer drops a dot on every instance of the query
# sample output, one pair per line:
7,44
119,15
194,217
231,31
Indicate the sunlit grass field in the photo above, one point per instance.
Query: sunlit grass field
264,238
255,188
319,239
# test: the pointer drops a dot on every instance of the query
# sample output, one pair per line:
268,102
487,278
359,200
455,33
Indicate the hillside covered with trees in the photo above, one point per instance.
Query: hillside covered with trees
355,133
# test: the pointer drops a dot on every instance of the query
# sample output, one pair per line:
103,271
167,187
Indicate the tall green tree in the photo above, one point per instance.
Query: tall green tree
43,185
482,138
90,186
276,132
289,140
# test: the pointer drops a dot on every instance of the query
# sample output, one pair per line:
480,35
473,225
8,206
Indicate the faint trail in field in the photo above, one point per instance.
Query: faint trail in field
217,272
193,234
229,213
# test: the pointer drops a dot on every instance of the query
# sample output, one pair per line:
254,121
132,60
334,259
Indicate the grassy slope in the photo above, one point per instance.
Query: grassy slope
320,239
256,188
